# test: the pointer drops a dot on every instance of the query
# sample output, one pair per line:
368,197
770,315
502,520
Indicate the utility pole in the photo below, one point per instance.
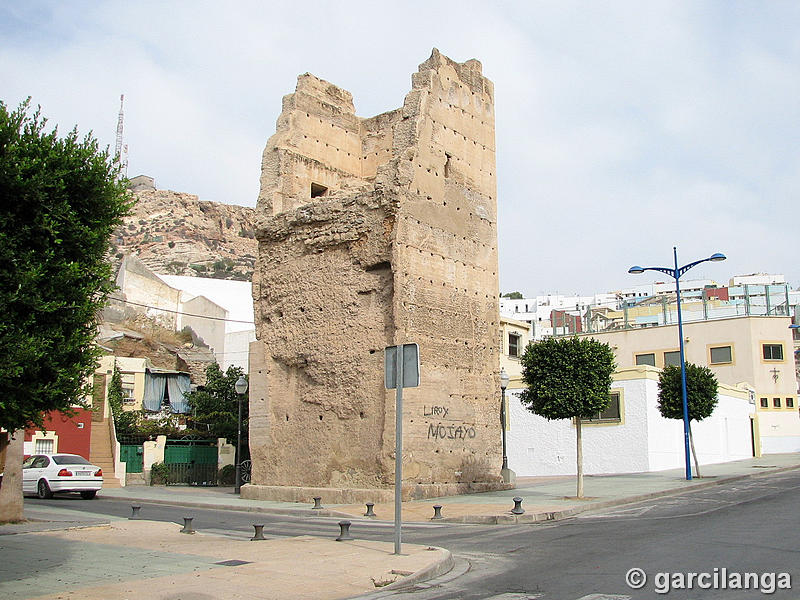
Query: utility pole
120,150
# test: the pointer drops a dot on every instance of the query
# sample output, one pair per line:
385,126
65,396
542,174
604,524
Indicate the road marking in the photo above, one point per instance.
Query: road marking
515,596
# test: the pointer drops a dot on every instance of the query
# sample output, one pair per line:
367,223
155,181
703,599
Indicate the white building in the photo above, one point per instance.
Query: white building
218,311
663,288
537,311
231,339
631,436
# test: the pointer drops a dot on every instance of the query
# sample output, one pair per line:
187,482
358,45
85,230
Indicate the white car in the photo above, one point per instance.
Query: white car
43,474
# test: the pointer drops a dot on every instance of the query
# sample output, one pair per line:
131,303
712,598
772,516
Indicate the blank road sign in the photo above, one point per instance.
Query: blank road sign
410,365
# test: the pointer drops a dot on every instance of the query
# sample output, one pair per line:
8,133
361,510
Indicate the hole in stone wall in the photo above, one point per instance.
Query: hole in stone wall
318,190
379,266
320,417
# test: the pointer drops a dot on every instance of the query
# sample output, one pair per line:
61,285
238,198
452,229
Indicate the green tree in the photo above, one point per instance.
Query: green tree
60,201
701,396
568,378
125,421
513,296
215,406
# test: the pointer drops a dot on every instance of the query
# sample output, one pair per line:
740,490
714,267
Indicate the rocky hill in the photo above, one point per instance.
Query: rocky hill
177,234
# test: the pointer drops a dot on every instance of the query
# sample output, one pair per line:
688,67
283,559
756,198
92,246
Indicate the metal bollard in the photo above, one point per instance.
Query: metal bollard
437,512
517,510
259,535
344,534
370,512
134,511
187,525
317,503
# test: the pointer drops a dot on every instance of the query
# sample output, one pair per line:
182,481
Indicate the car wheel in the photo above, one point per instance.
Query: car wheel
43,490
88,494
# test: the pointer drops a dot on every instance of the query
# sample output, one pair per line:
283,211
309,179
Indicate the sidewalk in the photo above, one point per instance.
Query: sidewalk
153,560
59,557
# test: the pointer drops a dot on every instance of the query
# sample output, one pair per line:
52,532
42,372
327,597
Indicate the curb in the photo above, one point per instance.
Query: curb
300,512
508,519
440,567
45,526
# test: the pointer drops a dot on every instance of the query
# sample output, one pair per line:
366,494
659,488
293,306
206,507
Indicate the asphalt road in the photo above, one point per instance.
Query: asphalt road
744,527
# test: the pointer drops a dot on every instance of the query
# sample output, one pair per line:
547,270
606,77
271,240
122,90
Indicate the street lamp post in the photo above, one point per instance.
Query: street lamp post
676,273
241,389
505,472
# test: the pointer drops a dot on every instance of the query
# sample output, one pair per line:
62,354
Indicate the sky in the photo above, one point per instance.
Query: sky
623,128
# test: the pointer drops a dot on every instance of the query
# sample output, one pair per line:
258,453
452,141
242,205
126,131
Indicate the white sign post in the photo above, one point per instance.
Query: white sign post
401,370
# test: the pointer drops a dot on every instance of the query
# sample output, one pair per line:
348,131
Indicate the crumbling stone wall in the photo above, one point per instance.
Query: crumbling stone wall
375,232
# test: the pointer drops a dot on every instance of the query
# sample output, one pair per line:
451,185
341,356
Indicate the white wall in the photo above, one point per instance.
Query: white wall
537,446
237,349
643,441
722,437
780,432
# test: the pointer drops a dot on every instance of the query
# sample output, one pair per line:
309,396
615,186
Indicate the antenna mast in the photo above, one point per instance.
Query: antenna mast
121,151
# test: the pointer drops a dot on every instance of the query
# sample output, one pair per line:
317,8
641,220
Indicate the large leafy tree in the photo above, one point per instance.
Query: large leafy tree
701,396
60,200
215,406
568,378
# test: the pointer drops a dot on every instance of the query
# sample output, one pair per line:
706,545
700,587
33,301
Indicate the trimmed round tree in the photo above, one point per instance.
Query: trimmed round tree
701,396
568,378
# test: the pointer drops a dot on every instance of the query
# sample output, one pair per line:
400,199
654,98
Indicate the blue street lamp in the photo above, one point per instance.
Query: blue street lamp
676,273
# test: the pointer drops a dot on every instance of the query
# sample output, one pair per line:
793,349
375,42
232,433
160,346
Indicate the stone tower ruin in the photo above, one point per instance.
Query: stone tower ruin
374,232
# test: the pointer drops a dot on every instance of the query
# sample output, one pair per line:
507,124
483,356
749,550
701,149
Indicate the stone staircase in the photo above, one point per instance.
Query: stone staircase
100,453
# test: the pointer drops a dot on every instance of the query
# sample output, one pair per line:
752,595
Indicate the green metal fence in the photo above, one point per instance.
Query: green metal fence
192,462
131,455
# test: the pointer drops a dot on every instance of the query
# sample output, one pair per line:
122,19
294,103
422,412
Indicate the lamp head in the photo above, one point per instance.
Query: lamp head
504,378
636,270
717,256
240,385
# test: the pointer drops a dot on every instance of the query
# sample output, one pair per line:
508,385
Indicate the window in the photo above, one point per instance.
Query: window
764,403
43,446
318,190
40,462
513,344
672,358
776,403
789,402
773,351
611,414
127,394
721,355
646,359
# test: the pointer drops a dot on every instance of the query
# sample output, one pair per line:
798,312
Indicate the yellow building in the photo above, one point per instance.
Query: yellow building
144,386
752,350
515,337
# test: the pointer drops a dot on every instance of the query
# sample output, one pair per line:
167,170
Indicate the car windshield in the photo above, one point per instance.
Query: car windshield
70,459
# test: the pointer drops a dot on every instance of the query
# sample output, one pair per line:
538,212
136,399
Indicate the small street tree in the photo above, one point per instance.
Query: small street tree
60,201
568,378
125,421
215,406
701,397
